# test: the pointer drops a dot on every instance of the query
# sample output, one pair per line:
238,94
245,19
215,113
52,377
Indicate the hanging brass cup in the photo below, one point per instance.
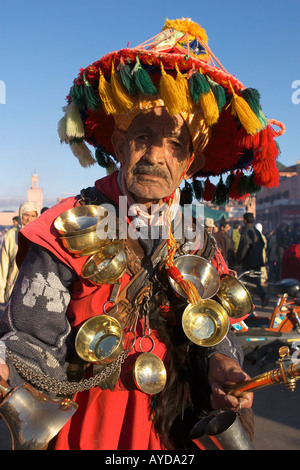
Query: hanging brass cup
106,266
149,373
234,297
205,323
100,339
200,272
78,232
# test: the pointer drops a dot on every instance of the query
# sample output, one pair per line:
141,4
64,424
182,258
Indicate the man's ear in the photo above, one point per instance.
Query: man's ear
118,140
197,165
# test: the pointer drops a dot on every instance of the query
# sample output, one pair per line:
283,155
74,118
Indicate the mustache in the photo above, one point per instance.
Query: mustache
154,170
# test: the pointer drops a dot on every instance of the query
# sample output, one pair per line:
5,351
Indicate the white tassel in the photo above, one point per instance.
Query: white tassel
74,126
83,153
62,130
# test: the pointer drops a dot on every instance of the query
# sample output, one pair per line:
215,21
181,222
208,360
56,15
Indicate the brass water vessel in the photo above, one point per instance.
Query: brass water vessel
234,297
100,339
205,323
77,228
149,373
106,266
200,272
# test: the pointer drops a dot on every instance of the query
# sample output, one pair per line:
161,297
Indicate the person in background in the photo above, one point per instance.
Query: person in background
236,235
15,221
209,224
264,275
225,244
272,257
8,268
250,255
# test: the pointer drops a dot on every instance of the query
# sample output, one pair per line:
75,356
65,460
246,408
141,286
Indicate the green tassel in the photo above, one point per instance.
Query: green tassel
220,195
252,187
198,189
229,181
243,185
92,101
197,86
127,80
186,196
142,80
219,93
103,159
252,96
77,95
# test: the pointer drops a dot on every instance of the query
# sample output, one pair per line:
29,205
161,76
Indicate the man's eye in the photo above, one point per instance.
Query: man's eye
176,144
142,138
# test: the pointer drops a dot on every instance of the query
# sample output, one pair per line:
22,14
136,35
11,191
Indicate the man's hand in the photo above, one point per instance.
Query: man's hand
224,370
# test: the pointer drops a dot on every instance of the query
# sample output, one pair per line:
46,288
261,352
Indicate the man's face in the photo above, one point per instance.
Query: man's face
155,152
28,217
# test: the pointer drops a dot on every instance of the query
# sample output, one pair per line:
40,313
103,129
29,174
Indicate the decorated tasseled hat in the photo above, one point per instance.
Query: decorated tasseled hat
176,69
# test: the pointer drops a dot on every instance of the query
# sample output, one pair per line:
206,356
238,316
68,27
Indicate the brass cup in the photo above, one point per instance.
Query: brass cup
149,373
234,297
100,339
205,323
77,228
106,266
200,272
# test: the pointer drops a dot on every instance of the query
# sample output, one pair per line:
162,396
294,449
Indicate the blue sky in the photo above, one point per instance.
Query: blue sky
44,44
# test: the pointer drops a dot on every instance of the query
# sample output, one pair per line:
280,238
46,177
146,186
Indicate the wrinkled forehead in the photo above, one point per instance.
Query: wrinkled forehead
155,114
158,120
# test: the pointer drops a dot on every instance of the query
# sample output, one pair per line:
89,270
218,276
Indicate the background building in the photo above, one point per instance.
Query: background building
282,204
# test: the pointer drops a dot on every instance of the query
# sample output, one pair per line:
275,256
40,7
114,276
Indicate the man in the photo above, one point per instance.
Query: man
250,255
209,224
236,235
149,123
8,267
225,244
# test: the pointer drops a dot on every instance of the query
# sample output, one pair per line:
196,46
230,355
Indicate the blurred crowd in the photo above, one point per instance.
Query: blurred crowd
245,246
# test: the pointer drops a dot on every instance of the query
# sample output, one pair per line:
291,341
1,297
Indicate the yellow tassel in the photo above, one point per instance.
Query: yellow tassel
210,108
241,109
183,91
74,127
106,96
119,93
170,93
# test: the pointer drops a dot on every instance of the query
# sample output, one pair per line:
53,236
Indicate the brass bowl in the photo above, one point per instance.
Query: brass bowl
200,272
78,231
206,323
149,373
79,219
234,297
107,266
100,339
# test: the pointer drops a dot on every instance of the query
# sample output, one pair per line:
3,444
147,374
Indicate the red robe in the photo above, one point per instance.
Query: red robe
105,420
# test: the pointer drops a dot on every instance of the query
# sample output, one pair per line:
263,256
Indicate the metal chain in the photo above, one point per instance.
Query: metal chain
63,388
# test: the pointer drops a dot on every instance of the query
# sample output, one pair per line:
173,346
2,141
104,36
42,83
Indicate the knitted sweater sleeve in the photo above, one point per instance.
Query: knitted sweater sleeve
34,325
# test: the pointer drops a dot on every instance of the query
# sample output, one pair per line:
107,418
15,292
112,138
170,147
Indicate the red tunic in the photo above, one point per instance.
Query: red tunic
105,420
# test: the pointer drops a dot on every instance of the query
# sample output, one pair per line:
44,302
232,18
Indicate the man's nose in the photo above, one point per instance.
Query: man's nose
156,152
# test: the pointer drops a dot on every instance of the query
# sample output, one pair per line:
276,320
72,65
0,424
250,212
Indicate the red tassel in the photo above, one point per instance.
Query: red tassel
234,190
209,189
264,163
